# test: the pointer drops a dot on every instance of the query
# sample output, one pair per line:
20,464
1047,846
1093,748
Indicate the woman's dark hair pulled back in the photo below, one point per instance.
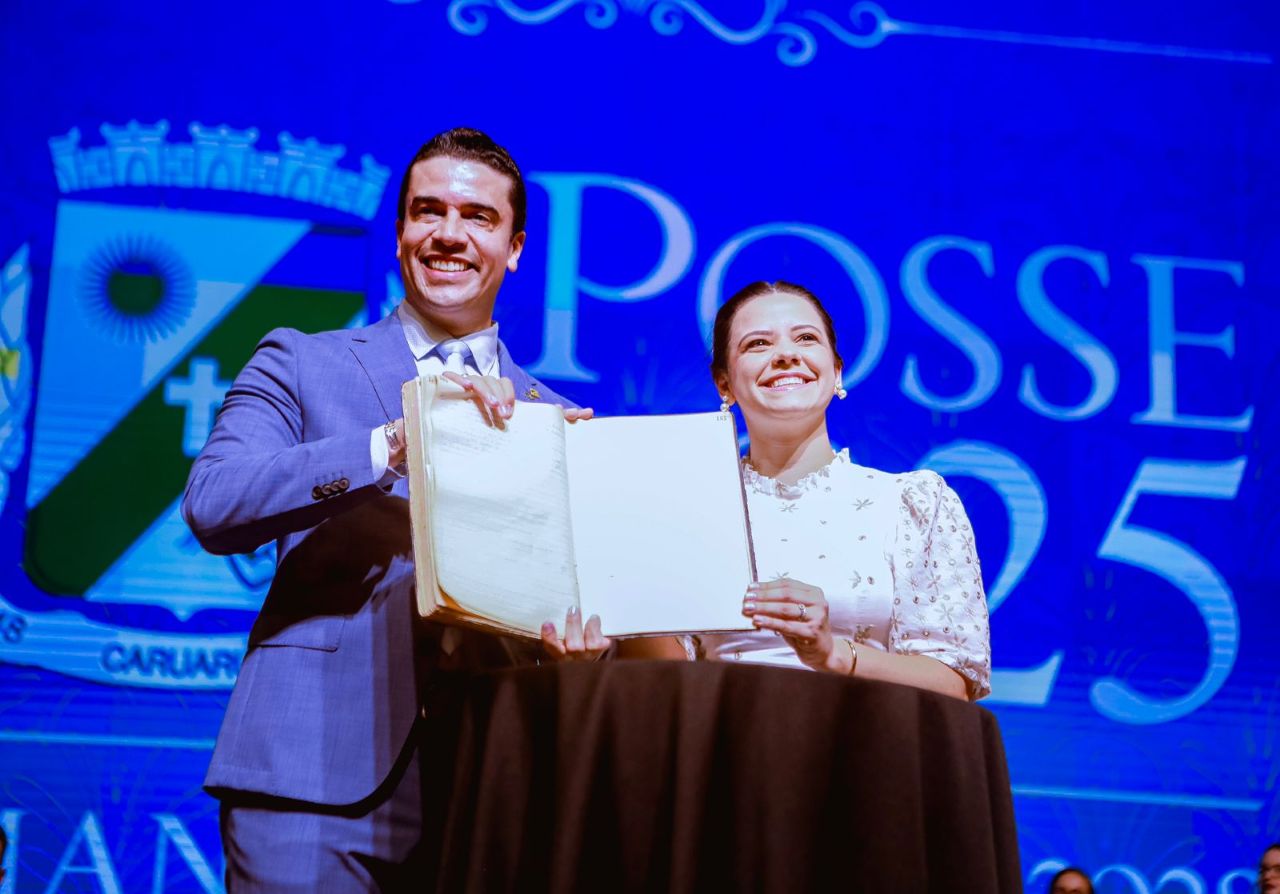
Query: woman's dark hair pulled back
724,320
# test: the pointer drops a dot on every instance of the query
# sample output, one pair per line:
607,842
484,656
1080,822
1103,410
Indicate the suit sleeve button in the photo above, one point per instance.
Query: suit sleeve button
316,492
343,483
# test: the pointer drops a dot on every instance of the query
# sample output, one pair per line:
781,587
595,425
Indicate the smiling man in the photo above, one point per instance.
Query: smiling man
454,246
317,762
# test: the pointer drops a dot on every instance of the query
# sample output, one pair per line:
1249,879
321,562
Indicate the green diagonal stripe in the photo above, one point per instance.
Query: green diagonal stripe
134,474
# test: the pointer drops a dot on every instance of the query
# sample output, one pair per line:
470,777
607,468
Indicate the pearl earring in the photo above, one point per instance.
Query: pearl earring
841,393
724,403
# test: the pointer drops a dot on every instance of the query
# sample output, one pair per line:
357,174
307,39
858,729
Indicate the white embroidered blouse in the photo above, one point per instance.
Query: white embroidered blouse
893,554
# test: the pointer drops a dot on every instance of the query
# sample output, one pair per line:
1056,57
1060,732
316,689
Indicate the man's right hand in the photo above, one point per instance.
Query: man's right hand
497,397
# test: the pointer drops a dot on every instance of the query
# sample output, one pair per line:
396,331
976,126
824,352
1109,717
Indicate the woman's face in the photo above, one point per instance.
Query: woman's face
781,365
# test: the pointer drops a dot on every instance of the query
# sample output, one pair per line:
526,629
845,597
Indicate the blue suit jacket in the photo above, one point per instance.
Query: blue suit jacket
327,694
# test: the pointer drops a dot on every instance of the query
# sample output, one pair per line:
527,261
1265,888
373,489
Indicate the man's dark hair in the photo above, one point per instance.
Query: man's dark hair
469,144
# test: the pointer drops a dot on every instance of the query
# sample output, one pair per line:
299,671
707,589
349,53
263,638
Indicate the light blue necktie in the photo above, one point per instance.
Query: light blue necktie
455,353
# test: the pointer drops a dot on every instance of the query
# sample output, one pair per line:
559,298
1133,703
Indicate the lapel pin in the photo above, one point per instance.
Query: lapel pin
533,394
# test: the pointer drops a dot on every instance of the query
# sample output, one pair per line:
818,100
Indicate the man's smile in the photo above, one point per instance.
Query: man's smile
446,265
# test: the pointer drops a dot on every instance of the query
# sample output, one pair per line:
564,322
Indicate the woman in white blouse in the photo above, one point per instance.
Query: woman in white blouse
861,572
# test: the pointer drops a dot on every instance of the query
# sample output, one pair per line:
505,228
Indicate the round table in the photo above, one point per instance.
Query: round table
683,777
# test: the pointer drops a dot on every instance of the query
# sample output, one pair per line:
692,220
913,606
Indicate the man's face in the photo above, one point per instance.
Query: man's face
455,242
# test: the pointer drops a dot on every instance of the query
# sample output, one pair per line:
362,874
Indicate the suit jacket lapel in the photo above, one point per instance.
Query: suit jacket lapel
520,379
526,386
385,356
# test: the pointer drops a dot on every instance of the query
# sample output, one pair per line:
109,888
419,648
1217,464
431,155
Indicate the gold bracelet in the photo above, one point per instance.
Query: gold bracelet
853,655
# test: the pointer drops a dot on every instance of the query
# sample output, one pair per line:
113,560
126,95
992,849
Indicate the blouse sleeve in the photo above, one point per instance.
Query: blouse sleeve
939,607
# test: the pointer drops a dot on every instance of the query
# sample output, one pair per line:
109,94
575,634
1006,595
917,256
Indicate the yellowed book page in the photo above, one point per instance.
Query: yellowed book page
417,395
500,511
659,523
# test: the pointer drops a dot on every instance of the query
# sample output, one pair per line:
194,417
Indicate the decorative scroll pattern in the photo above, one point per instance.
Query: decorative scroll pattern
797,33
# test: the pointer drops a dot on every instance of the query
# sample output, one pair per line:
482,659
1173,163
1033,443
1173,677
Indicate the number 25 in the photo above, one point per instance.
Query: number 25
1181,566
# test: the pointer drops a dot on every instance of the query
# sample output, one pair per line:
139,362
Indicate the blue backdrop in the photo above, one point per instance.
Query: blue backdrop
1047,234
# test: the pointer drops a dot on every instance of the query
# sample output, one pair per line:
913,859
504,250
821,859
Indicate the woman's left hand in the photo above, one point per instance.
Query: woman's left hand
580,643
796,610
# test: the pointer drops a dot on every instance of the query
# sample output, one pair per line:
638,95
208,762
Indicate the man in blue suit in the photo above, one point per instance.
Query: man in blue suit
317,760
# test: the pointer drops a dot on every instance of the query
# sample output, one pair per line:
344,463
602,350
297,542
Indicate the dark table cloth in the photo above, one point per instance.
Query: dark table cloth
669,776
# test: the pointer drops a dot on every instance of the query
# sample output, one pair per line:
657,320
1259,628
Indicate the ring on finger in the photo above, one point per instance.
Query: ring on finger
804,611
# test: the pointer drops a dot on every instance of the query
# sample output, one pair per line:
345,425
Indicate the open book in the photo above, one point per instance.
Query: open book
641,520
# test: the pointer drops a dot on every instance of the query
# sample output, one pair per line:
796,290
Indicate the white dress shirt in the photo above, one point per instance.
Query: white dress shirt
893,554
423,338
